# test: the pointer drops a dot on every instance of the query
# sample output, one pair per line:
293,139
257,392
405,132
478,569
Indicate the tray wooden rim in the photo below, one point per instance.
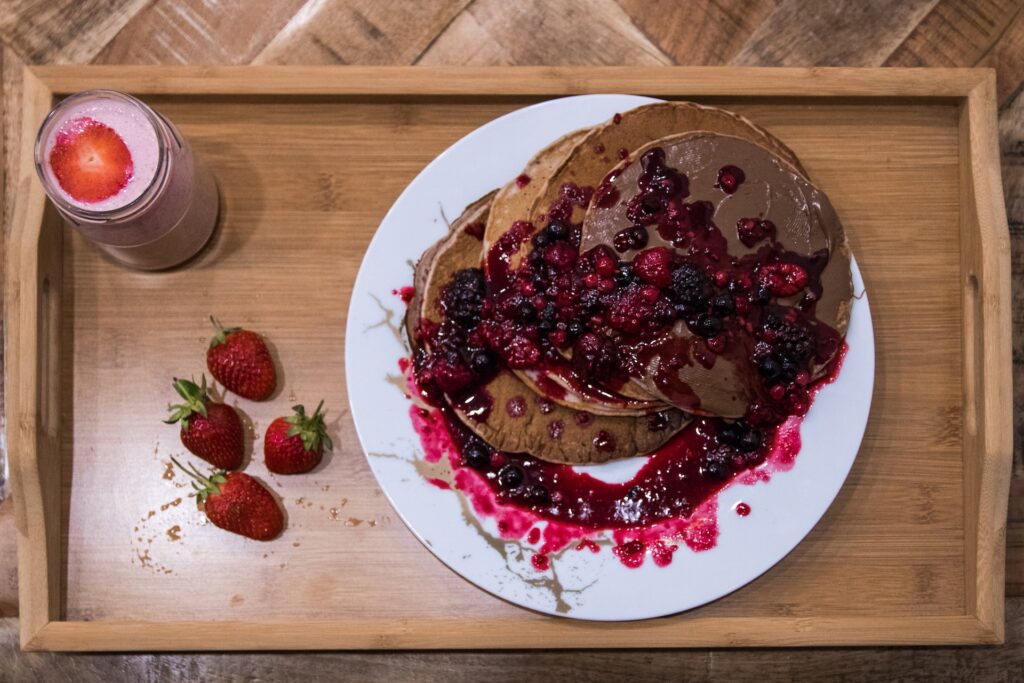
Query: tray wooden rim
32,296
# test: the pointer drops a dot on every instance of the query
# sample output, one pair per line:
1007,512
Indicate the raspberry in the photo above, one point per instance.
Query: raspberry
595,357
783,279
522,353
753,230
654,266
604,265
560,255
730,178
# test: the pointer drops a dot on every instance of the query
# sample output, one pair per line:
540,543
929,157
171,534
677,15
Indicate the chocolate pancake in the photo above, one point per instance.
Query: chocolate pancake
805,227
603,147
513,418
513,203
587,163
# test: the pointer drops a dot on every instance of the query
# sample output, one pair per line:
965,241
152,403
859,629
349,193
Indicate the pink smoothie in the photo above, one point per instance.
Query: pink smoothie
166,206
131,125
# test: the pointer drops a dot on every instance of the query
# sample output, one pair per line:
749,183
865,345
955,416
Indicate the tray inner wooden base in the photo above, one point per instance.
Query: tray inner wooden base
304,183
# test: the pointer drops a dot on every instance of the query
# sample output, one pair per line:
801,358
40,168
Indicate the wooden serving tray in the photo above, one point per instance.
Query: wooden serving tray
308,161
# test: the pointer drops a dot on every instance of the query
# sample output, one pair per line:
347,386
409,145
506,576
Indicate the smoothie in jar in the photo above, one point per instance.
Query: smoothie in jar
125,178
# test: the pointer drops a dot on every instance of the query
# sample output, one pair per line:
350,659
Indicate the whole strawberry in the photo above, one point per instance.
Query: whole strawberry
238,503
239,359
211,430
296,443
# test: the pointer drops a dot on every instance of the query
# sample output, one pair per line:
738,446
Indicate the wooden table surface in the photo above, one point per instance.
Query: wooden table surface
480,32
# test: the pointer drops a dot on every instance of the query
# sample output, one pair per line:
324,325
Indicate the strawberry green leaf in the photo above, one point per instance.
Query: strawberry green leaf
310,429
221,337
195,397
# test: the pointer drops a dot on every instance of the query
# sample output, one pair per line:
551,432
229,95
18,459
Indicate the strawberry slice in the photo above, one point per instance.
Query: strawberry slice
90,160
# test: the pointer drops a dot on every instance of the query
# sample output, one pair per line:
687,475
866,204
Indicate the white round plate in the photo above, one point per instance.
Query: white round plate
581,585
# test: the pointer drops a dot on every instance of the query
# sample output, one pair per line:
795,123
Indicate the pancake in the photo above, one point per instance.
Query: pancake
590,160
513,203
516,419
772,189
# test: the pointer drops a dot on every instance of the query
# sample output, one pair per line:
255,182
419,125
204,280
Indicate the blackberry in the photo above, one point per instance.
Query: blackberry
510,477
462,298
795,343
690,287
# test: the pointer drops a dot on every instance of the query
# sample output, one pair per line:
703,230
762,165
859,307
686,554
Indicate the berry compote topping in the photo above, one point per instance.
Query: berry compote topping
730,178
667,500
617,307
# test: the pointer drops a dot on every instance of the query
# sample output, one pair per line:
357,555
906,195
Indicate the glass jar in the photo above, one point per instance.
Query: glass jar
166,210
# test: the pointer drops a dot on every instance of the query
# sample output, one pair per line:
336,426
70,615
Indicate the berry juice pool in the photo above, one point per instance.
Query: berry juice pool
126,179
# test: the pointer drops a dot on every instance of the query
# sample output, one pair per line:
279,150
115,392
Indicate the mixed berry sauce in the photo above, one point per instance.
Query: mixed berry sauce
537,297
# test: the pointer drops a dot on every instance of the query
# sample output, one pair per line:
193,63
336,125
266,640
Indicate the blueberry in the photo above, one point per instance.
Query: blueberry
510,477
730,434
481,361
715,469
546,325
541,239
525,312
707,325
557,231
761,294
772,322
539,495
623,274
751,440
477,455
590,301
722,305
576,327
769,366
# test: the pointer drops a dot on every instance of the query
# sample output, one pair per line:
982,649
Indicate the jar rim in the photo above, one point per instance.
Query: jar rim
156,184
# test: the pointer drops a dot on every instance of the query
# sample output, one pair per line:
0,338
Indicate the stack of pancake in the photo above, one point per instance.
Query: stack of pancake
734,175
